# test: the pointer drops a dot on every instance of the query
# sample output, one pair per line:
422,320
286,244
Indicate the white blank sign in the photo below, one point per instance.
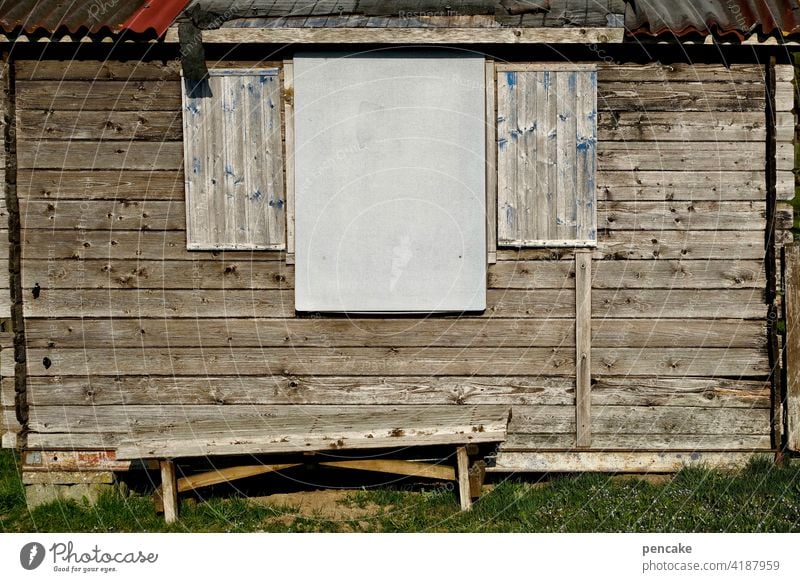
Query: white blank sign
390,205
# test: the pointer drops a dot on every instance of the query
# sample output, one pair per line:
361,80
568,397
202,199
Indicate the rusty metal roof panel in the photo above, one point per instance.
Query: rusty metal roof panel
151,17
739,18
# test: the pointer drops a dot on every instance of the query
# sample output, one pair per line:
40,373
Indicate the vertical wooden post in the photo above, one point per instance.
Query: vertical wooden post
583,347
288,120
169,491
491,165
462,474
792,363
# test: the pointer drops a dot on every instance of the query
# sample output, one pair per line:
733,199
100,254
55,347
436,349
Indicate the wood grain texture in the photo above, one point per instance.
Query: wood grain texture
234,163
70,95
657,303
278,389
302,361
583,347
679,96
80,244
680,72
105,215
411,35
792,352
546,156
662,185
653,333
622,462
99,155
92,70
158,303
171,245
643,420
684,126
353,332
681,391
669,156
117,184
676,215
521,442
631,274
100,125
169,491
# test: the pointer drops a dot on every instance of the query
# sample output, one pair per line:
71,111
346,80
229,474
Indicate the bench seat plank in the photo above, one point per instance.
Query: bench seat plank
324,428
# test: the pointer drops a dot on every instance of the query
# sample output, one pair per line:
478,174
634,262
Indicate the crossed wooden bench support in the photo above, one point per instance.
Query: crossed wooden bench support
317,429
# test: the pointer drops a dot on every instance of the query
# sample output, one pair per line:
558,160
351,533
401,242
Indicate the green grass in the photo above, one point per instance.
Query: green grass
763,497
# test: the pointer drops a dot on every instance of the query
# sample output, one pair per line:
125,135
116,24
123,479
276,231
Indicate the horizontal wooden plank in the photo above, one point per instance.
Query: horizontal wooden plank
680,72
91,70
683,391
226,274
101,184
66,477
171,245
100,125
618,462
631,442
679,361
643,420
540,304
135,274
667,185
631,274
654,333
668,156
657,303
683,215
103,215
651,95
131,95
408,35
631,244
112,244
312,332
682,126
98,459
303,361
278,389
99,155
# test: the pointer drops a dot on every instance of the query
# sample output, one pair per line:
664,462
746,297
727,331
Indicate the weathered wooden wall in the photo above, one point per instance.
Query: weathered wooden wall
127,328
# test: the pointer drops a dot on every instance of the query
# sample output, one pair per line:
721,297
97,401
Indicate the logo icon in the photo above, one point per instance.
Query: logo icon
31,555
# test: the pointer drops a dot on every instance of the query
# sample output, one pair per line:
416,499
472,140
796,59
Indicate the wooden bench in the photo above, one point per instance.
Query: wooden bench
311,429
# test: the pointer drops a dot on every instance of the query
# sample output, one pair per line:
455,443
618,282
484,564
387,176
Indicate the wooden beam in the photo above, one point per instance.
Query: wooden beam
792,359
491,164
217,476
583,346
169,491
407,36
462,464
617,462
288,110
397,467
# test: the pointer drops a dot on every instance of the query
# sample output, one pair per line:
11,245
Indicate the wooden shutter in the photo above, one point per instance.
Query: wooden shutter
234,162
546,155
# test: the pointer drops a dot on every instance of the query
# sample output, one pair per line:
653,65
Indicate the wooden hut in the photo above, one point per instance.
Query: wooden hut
287,227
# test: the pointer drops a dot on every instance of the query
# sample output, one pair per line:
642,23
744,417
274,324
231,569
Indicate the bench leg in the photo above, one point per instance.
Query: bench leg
169,491
462,470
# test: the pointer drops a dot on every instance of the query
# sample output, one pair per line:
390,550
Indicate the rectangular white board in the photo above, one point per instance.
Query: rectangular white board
390,182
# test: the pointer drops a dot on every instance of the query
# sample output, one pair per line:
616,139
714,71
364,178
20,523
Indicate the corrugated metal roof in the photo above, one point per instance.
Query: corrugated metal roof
151,17
740,18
